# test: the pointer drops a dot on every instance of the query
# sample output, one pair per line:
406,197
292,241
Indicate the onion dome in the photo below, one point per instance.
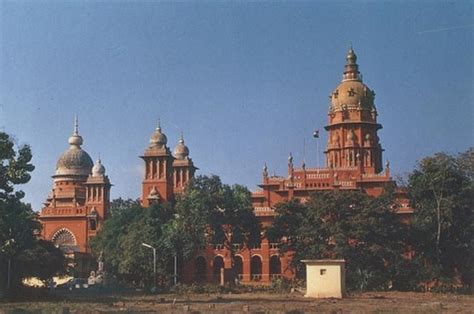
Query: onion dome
181,151
75,160
158,139
351,93
98,170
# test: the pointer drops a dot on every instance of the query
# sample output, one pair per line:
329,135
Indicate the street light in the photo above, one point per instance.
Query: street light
154,264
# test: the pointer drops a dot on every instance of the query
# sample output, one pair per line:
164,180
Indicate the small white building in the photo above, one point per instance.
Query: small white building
325,278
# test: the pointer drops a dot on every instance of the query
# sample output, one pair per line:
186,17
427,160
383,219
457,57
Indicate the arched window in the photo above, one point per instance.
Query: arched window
256,268
200,268
65,240
218,264
238,266
275,267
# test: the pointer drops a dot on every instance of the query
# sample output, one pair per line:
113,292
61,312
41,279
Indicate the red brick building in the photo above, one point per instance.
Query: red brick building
353,162
78,203
165,174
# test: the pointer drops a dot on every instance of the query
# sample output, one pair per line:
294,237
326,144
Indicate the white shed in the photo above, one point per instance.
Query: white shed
325,278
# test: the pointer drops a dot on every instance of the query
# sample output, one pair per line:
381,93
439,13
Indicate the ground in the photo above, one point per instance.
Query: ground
374,302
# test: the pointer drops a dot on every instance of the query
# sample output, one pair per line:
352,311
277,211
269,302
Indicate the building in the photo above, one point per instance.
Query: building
353,162
77,205
166,174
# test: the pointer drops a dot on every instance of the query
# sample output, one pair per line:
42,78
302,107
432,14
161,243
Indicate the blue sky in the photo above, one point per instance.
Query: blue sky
246,82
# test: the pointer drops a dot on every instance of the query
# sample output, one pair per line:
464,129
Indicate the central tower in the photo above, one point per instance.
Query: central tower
352,139
165,174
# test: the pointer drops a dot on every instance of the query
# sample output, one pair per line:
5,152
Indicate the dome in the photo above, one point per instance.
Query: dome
351,93
181,151
74,161
158,139
98,170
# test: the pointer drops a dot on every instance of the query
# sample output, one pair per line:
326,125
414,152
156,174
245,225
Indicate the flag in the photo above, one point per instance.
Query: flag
316,134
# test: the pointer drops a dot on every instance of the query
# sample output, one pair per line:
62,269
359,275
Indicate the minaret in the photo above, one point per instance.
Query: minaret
157,184
352,140
183,166
97,196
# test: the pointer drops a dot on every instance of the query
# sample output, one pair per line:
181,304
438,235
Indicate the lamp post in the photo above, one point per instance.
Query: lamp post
154,264
175,277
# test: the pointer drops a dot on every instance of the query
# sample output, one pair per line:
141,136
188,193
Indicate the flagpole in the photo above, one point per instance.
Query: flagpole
317,153
316,137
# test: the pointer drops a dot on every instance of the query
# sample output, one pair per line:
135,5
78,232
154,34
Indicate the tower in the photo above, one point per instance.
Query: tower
97,197
79,200
158,182
183,166
352,140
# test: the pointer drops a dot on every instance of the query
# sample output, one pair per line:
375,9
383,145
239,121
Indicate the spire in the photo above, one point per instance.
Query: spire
158,127
75,140
181,138
76,125
351,69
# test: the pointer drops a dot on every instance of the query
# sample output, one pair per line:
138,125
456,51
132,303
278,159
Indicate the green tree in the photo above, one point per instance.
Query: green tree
207,212
121,238
210,212
363,230
115,229
442,191
20,249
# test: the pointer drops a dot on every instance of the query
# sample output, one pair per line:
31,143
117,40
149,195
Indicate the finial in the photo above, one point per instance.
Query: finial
387,164
158,128
76,125
351,69
265,168
181,138
290,158
75,139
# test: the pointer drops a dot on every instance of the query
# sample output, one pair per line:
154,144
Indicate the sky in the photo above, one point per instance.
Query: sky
246,82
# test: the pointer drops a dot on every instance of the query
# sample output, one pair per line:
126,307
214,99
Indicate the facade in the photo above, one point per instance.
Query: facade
78,203
353,162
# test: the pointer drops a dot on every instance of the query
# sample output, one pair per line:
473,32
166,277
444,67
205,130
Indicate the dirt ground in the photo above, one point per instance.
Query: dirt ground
380,302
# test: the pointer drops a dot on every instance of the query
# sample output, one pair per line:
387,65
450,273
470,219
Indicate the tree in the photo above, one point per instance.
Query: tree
20,249
207,212
121,238
442,191
363,230
211,212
